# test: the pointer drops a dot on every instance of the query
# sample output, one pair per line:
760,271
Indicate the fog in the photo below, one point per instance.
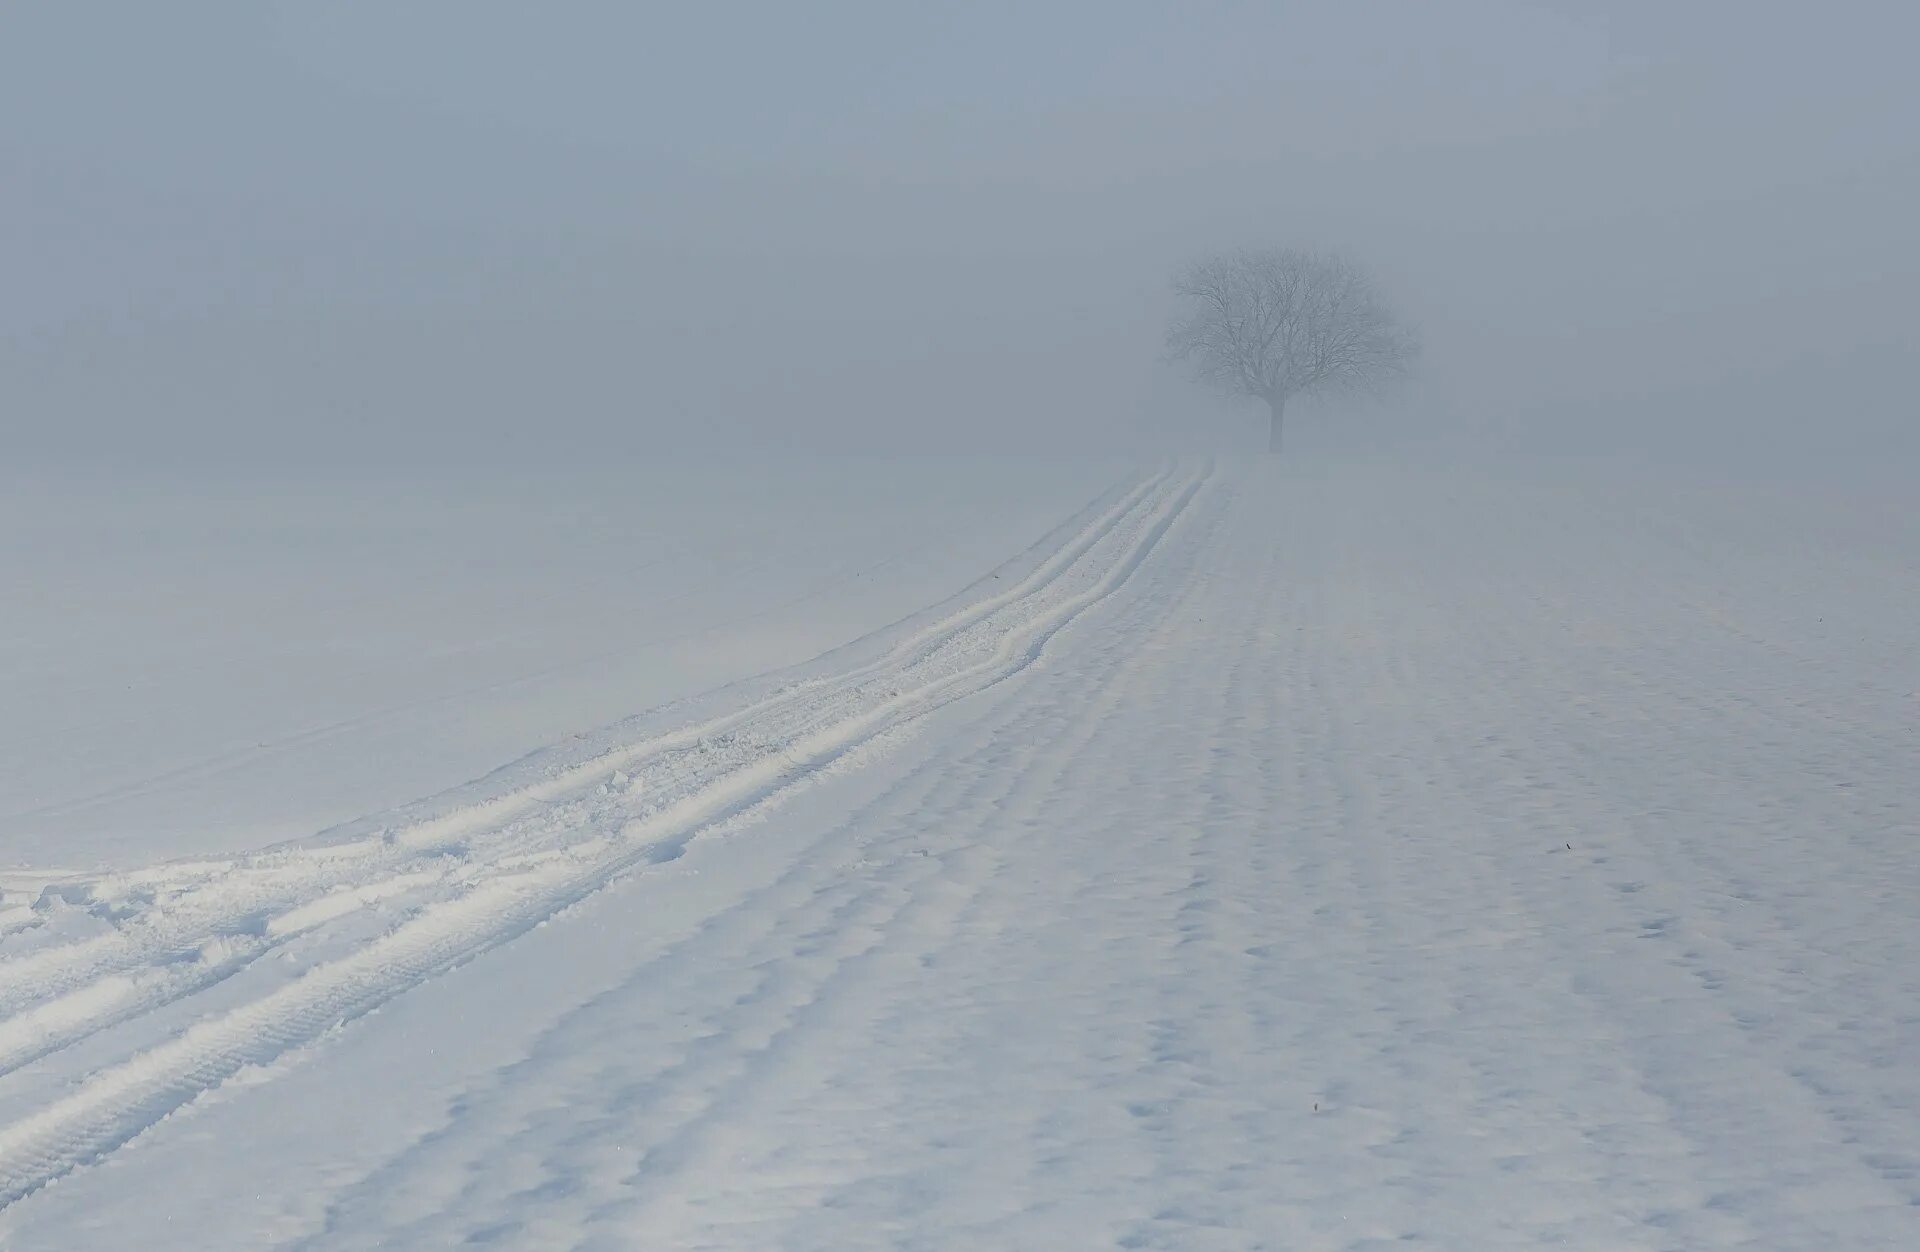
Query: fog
467,231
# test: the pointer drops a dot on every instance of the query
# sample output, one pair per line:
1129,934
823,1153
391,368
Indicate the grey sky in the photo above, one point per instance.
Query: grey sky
487,229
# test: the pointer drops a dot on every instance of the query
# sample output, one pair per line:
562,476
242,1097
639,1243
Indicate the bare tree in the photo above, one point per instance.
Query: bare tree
1275,323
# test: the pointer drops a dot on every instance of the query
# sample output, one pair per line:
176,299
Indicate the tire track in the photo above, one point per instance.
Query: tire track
974,650
195,925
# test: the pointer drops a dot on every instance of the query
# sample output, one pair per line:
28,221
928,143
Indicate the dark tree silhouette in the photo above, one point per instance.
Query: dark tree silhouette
1275,323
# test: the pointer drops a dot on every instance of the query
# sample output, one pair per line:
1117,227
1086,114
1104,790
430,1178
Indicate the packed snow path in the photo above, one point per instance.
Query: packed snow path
1261,865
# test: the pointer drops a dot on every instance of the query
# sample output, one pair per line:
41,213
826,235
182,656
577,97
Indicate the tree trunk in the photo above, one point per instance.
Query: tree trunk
1279,406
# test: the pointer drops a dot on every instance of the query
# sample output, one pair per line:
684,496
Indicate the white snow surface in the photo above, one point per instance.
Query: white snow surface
1272,857
209,662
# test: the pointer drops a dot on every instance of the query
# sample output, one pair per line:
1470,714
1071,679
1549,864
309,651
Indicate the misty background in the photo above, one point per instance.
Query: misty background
470,232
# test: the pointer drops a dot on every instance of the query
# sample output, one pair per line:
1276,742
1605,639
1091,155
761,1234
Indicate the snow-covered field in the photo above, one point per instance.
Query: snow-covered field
205,663
1297,856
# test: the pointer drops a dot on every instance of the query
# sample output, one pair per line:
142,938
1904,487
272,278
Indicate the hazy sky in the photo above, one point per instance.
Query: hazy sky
480,230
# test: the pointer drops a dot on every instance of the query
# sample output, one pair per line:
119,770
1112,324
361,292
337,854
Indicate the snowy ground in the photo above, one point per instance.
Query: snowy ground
205,663
1272,858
